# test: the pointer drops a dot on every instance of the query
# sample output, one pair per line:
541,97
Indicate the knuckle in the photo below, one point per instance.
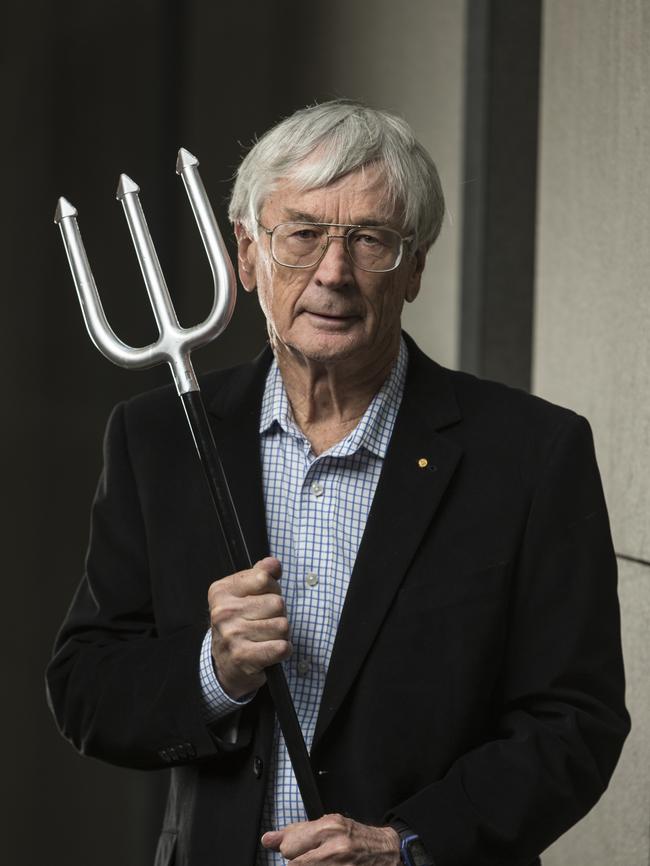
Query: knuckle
340,847
229,632
335,820
223,609
237,654
219,645
240,583
251,583
216,616
214,594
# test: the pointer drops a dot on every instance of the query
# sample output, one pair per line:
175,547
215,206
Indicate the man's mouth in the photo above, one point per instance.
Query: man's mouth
330,316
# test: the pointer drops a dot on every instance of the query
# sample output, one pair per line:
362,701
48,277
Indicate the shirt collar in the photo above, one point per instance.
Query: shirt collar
275,403
374,430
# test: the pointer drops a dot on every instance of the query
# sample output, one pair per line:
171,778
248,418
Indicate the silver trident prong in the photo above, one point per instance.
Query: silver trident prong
174,343
174,346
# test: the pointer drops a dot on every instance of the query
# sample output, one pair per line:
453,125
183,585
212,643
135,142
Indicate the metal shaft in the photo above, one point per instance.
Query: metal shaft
239,560
173,347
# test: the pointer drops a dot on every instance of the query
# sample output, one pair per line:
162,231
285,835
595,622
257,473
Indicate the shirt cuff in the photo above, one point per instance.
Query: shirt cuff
215,702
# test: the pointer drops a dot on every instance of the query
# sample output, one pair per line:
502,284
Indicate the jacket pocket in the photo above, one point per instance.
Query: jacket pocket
166,848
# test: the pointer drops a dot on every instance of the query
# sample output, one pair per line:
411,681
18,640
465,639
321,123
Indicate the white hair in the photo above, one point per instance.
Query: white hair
341,136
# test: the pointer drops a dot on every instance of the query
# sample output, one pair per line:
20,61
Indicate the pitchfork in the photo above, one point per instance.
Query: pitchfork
174,346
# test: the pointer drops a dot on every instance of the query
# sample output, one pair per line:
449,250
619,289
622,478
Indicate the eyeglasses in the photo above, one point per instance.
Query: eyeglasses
303,245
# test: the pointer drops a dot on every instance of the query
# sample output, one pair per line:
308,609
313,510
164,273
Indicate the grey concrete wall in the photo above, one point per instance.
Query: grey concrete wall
592,336
409,58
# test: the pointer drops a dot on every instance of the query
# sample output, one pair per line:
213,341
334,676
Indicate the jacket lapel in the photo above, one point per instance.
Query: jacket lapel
234,414
407,496
406,500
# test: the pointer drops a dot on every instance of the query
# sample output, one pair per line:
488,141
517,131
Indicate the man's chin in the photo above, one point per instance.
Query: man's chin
330,348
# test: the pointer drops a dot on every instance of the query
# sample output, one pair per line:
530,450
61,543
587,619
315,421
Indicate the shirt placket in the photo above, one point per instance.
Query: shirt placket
318,510
311,591
303,589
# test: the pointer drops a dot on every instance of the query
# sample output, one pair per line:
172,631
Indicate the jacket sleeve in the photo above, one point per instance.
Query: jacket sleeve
119,690
562,720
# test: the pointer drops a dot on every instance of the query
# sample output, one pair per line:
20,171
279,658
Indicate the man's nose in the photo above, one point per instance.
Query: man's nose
335,268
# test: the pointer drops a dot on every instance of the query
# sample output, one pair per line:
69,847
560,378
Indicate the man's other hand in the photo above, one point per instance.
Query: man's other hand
250,630
335,840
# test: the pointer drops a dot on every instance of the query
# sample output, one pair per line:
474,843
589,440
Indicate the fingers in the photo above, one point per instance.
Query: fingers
273,629
250,630
332,840
261,579
298,839
250,658
251,596
252,609
237,633
260,607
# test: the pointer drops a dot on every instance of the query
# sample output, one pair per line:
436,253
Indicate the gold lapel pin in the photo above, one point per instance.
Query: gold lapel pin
423,462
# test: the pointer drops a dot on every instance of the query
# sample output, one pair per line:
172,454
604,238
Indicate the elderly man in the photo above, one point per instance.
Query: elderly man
441,586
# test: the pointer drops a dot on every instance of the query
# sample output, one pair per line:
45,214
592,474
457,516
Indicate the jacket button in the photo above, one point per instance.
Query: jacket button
258,767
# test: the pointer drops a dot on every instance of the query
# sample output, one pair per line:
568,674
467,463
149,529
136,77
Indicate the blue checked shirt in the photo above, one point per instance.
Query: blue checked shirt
316,512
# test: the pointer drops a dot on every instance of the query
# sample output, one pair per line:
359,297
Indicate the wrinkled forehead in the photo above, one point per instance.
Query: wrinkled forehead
361,196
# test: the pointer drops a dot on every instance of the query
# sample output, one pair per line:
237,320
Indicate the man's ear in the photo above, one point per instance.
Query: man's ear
246,257
415,276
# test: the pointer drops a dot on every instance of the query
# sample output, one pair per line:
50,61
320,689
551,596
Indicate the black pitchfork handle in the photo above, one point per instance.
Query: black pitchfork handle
240,560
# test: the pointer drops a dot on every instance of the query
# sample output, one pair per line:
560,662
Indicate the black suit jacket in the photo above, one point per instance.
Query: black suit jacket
475,689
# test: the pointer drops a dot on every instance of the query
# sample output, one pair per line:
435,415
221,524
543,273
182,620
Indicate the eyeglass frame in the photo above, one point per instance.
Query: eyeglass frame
351,227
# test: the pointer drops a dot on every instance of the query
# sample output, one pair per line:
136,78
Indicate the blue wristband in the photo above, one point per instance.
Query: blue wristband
411,850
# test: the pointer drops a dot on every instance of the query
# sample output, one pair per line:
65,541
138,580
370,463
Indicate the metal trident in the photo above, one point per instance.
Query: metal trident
174,343
173,346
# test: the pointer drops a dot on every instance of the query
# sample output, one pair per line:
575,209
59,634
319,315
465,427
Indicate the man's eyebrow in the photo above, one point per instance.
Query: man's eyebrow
304,217
300,216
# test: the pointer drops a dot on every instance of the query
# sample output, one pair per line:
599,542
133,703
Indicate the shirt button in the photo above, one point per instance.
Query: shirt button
303,667
311,579
317,488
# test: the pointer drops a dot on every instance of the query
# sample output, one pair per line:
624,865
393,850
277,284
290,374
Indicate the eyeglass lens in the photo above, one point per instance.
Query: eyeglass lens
301,245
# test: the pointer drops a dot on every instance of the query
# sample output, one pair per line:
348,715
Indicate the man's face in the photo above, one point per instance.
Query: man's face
333,311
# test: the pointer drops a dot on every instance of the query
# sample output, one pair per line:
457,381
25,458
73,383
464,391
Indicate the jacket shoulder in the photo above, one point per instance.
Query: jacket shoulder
222,390
482,403
513,430
501,402
498,426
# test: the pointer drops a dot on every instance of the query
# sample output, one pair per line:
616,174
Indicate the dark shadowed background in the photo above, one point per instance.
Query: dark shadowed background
91,89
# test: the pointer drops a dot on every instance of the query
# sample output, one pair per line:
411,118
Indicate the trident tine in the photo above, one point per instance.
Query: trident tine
174,346
95,319
187,166
161,303
174,342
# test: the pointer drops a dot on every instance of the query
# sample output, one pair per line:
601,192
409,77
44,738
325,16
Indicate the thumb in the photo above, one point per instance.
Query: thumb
272,839
271,565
